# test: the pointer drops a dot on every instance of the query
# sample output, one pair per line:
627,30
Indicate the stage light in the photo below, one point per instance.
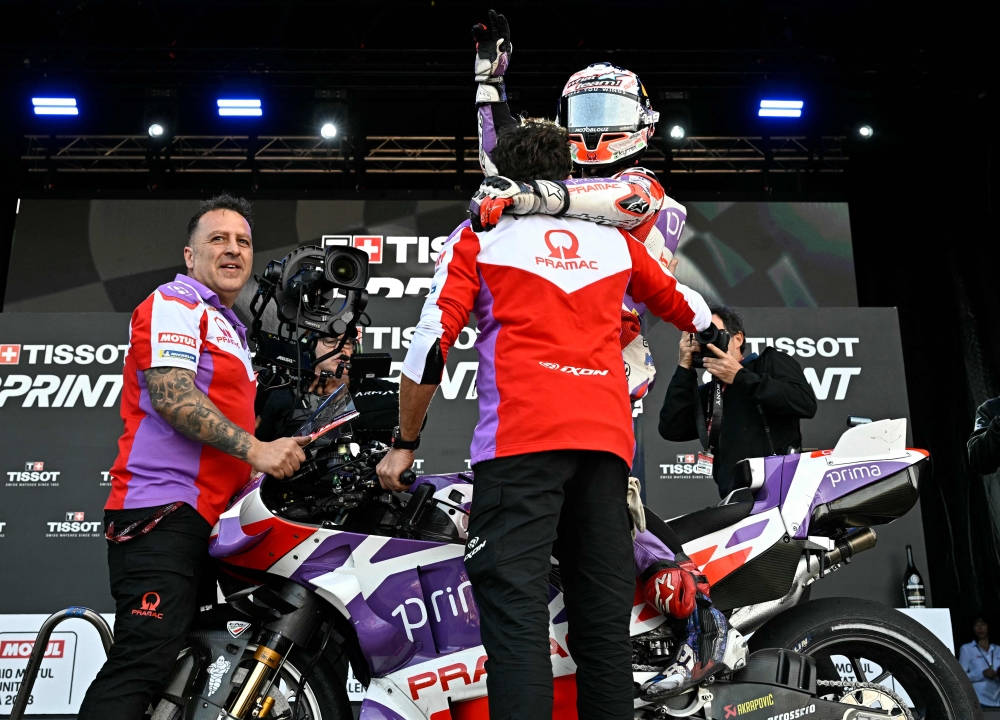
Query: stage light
156,130
239,107
866,131
677,132
55,106
328,131
780,108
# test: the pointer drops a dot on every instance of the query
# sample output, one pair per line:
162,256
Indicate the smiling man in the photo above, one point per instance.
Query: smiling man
188,446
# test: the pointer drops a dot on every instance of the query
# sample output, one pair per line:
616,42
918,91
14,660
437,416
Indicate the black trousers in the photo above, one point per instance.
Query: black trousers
525,508
157,581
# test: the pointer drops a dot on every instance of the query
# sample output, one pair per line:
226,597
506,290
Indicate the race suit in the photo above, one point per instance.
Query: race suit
632,200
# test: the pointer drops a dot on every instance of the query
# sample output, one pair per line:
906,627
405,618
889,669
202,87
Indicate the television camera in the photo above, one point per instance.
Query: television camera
318,293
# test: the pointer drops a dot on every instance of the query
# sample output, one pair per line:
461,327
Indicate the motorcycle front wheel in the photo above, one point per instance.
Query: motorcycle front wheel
323,698
864,641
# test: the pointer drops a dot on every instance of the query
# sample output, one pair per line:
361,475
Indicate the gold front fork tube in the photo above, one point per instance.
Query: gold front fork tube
267,659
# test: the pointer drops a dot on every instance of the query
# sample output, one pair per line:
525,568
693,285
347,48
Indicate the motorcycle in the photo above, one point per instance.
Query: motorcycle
335,569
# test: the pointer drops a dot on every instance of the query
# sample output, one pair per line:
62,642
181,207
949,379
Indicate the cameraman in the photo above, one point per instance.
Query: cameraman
757,409
285,410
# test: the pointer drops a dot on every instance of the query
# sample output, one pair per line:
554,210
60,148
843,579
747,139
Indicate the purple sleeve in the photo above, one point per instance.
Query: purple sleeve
493,118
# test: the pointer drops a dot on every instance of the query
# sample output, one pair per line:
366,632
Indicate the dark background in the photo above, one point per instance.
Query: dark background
922,201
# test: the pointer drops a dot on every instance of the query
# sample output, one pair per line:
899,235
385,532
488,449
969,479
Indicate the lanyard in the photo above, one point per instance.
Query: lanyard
144,525
983,655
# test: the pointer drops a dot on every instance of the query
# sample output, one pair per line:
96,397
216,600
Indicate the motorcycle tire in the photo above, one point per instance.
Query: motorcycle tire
863,630
326,690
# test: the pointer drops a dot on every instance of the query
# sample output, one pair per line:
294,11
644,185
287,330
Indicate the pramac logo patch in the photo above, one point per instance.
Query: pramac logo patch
561,256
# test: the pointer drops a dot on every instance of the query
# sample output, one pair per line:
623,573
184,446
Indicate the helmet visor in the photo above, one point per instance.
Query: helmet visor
602,110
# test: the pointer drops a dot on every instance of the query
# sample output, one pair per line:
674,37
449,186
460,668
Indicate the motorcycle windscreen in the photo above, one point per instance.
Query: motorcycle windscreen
332,414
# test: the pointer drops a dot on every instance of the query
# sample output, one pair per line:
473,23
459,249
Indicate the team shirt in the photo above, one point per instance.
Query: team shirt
547,294
182,324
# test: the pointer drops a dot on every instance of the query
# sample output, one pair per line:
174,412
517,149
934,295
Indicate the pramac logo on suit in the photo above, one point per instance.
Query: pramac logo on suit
562,257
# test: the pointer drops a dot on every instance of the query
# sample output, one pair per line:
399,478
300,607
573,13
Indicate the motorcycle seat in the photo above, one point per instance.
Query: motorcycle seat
703,522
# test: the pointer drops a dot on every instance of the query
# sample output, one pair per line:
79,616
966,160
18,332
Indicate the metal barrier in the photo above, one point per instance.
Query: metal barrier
42,641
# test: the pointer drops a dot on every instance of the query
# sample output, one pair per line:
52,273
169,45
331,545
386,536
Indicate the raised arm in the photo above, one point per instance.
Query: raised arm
493,51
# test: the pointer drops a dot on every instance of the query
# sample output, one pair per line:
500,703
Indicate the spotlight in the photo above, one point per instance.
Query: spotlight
155,130
239,107
780,108
328,131
866,131
55,106
677,132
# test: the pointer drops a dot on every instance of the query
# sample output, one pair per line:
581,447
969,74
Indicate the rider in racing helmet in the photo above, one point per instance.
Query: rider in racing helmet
610,121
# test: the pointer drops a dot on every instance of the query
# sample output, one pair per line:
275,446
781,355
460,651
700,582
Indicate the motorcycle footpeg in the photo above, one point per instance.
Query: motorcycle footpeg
735,657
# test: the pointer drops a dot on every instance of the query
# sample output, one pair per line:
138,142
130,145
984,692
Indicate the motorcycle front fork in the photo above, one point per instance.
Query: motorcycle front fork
253,700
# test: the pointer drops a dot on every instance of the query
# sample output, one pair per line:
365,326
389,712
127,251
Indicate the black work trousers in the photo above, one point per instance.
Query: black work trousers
525,509
157,580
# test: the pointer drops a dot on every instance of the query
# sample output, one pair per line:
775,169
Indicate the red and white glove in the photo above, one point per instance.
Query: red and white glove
498,195
673,587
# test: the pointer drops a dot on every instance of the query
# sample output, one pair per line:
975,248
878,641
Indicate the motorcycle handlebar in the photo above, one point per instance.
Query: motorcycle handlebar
407,477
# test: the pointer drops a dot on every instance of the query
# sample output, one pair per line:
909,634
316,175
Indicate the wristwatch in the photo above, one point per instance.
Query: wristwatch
400,444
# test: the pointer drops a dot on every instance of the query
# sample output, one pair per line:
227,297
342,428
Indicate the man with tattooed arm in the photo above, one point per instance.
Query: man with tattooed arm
188,446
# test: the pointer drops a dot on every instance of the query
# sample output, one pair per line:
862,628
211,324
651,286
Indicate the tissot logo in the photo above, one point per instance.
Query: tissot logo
34,475
685,457
10,354
564,248
371,244
75,526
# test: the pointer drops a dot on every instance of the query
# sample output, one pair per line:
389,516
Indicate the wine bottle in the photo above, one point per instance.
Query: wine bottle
913,583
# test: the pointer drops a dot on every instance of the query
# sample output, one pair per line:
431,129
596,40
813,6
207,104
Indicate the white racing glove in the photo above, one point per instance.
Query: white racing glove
498,194
635,508
493,51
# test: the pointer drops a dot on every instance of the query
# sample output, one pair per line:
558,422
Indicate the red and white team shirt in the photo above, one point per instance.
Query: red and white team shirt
182,324
547,294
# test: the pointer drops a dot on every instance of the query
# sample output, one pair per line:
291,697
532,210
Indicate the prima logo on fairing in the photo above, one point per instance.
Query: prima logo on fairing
571,369
855,472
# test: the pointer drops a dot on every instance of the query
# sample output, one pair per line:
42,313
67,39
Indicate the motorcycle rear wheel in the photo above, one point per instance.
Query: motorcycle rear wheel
863,630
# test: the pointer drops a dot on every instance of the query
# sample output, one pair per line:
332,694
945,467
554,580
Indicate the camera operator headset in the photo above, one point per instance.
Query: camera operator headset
750,408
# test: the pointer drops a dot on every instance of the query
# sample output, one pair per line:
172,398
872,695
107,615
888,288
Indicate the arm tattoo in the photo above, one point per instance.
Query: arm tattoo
174,396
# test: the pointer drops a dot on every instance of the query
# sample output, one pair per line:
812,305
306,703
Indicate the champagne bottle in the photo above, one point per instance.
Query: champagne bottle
913,583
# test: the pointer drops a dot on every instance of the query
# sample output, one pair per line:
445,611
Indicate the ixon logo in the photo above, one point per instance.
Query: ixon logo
572,370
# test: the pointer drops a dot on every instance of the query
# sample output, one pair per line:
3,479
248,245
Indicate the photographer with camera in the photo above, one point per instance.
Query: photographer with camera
188,407
284,410
750,408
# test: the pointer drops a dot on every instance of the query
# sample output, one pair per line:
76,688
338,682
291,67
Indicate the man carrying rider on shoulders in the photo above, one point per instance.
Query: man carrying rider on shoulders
610,120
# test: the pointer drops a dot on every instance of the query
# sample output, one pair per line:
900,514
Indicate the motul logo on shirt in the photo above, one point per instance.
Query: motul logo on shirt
10,354
177,339
22,648
563,256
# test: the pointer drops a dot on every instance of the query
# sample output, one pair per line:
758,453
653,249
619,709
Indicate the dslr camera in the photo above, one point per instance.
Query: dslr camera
711,335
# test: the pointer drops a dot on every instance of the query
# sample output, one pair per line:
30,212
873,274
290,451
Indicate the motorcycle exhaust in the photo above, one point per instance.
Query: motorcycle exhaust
811,567
850,546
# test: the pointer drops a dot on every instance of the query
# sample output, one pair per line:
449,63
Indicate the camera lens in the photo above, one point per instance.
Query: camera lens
344,270
709,335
